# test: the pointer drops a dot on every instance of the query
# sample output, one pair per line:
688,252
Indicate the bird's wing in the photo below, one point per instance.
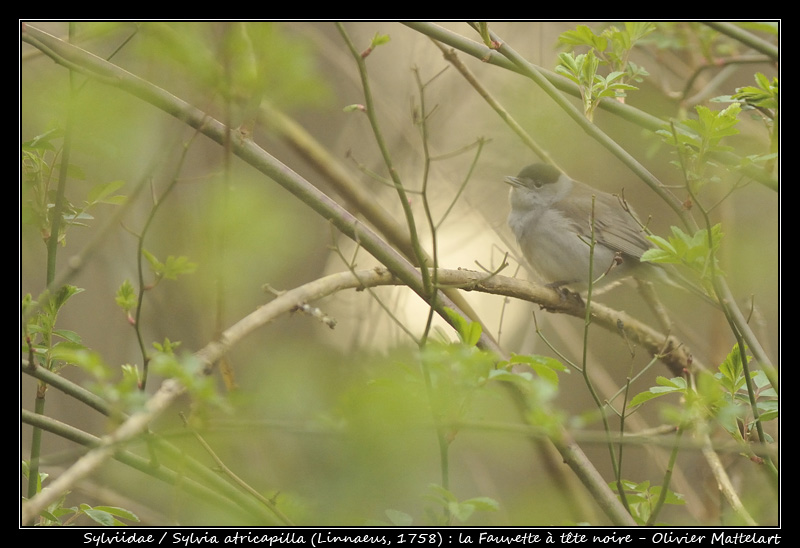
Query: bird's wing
624,235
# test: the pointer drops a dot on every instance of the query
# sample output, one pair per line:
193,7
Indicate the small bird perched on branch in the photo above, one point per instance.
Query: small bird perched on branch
553,216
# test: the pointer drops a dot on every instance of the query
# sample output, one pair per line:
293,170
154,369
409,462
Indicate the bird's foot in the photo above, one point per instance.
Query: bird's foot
565,295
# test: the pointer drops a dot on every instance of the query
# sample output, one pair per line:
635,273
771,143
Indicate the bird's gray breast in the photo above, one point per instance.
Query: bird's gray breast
550,243
555,241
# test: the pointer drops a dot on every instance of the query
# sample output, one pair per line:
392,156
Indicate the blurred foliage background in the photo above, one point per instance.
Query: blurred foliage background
334,425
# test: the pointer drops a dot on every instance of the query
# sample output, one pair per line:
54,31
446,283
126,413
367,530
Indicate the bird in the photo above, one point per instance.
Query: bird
553,216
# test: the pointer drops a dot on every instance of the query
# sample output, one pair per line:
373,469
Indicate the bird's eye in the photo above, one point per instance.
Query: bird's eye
537,184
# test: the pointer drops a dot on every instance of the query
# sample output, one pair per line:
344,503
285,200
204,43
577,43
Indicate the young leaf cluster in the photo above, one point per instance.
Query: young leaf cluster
694,251
610,49
40,165
445,507
42,340
448,507
59,515
643,498
765,95
457,373
171,268
764,98
721,397
731,378
699,139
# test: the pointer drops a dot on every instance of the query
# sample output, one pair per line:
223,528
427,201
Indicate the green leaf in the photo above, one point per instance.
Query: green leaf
172,268
765,94
118,512
469,332
176,266
658,256
101,517
155,265
438,491
569,67
87,360
76,172
638,29
398,518
380,39
126,296
167,347
583,36
643,397
61,296
460,510
713,126
68,335
473,334
666,386
544,366
692,251
103,193
510,376
484,504
670,498
63,351
732,368
44,140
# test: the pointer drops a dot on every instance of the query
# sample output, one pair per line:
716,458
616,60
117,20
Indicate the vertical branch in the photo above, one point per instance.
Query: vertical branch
428,279
52,254
510,59
662,496
450,55
441,434
726,305
621,446
320,203
387,158
58,206
219,228
587,321
426,166
140,262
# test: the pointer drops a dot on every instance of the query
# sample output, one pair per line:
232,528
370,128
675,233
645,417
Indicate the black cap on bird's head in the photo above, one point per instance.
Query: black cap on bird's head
535,175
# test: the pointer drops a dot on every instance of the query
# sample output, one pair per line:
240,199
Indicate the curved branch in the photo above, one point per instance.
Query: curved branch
746,38
401,269
623,110
552,84
317,289
108,73
210,486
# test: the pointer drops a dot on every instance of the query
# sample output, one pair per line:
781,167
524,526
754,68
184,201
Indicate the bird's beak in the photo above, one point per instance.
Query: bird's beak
513,181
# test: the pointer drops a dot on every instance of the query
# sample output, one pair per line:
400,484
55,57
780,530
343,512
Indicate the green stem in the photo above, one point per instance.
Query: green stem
140,260
746,38
587,321
441,430
387,158
52,253
620,447
735,326
207,485
72,57
623,110
426,169
36,444
662,497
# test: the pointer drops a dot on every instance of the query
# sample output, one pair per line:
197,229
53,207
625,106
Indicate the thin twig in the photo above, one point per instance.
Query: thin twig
283,518
171,389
